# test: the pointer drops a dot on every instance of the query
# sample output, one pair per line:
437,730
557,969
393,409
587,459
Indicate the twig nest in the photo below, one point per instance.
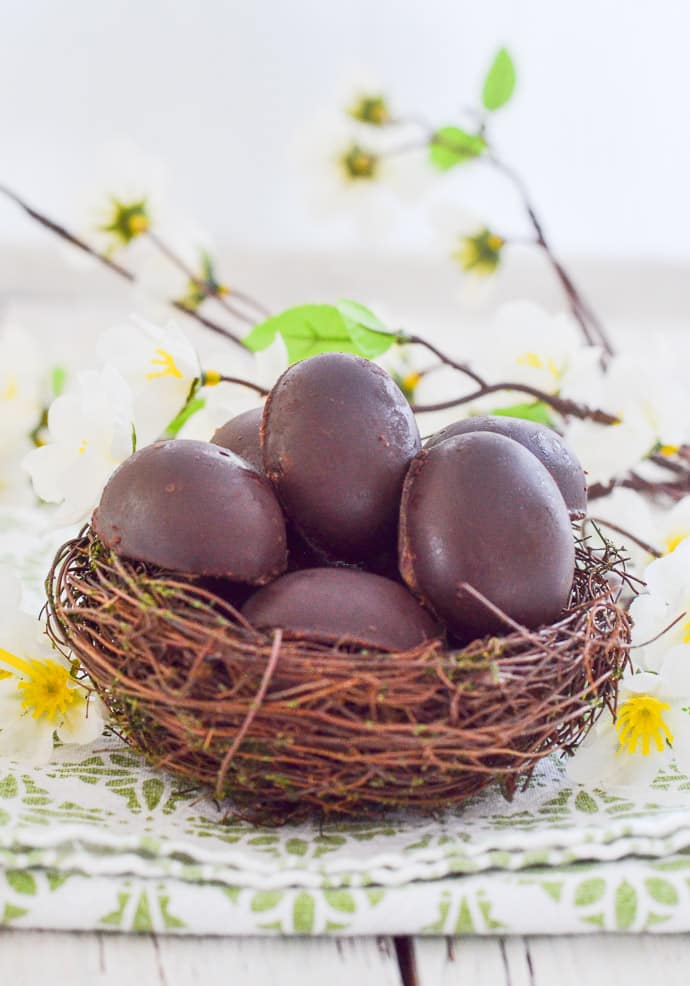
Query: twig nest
480,511
544,443
343,606
338,436
182,505
292,728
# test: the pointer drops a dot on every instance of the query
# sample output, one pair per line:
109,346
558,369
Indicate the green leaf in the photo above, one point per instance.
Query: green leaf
187,412
153,788
537,411
12,913
297,847
22,882
499,82
308,330
451,146
58,379
8,787
662,891
589,892
585,802
626,906
266,900
303,913
340,900
366,331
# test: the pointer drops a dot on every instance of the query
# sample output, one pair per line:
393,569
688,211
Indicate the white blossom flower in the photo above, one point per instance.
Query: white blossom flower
39,696
662,529
650,404
130,189
527,345
21,383
22,374
466,239
224,401
651,728
160,366
90,433
666,602
346,173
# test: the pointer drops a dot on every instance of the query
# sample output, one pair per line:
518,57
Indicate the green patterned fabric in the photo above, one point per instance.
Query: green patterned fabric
96,840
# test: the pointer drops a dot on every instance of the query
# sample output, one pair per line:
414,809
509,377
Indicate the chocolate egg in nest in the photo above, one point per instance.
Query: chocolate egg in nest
314,699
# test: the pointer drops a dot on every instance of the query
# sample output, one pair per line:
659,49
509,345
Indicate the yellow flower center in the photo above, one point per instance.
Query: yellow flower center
669,450
533,360
641,722
411,381
45,686
138,223
11,391
673,540
166,361
359,164
536,362
83,447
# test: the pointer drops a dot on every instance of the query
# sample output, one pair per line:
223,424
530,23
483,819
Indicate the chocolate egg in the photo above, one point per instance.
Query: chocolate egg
343,605
242,435
480,509
195,508
546,444
338,436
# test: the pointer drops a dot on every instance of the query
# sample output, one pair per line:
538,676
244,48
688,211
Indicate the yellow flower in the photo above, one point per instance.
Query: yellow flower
125,222
359,164
480,253
372,109
39,695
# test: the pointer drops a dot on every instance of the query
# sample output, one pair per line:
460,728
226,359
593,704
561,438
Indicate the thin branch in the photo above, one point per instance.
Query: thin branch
564,406
211,379
627,534
209,289
415,340
76,241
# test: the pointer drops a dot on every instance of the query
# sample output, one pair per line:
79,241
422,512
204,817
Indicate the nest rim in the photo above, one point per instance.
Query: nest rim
289,728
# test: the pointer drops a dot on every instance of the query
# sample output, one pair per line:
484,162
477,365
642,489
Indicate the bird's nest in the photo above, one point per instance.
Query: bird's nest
288,728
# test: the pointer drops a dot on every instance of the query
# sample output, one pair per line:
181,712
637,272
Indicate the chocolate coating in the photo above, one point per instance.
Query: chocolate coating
242,435
195,508
551,450
343,605
338,436
481,509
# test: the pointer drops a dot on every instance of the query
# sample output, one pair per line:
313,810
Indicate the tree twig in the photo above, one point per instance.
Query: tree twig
210,289
76,241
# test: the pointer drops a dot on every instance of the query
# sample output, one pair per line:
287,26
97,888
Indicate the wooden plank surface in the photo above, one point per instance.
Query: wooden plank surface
60,959
578,960
46,958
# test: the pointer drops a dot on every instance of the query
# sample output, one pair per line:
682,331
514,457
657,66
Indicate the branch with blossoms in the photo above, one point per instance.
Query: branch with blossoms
452,146
643,439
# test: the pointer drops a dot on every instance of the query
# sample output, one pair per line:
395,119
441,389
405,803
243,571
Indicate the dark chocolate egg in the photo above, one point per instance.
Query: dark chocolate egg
195,508
242,435
480,509
338,436
546,444
343,605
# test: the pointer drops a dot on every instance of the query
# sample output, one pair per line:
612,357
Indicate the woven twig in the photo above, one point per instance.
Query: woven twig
289,728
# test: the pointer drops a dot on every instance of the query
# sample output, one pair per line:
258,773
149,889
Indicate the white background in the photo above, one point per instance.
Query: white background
599,126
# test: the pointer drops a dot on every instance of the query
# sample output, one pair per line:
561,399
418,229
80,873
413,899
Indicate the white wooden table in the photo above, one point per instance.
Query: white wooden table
58,959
